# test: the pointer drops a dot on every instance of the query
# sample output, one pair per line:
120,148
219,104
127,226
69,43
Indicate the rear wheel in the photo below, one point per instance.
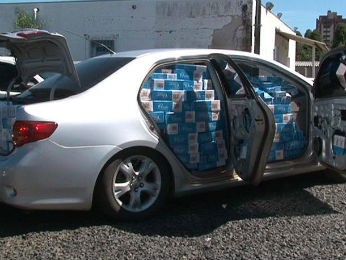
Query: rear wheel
133,185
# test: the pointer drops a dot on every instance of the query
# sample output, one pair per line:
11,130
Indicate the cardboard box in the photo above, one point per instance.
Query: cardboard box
168,95
164,76
207,116
207,137
144,95
200,95
183,139
284,118
280,108
172,117
207,105
282,99
201,126
158,117
215,125
172,129
190,116
183,74
284,131
165,106
339,145
148,105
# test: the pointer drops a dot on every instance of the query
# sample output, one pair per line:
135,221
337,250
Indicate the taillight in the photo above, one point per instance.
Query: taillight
31,131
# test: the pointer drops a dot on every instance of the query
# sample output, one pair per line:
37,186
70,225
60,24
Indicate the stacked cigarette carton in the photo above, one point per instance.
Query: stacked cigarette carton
289,142
184,105
8,117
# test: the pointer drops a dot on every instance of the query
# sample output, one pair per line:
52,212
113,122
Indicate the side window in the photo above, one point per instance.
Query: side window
188,109
289,102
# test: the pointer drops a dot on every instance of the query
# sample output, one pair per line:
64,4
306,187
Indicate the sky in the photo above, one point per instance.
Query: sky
303,13
295,13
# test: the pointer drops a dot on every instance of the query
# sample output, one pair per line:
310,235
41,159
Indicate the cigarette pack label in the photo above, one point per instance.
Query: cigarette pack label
164,76
148,106
284,118
168,95
205,95
173,129
189,116
145,94
159,117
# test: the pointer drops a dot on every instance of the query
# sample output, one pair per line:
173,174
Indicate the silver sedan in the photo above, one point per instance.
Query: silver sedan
125,131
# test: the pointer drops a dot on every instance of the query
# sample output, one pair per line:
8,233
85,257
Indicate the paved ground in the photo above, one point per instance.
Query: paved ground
301,217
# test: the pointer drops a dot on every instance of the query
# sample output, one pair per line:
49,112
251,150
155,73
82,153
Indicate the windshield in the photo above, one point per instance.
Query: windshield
58,86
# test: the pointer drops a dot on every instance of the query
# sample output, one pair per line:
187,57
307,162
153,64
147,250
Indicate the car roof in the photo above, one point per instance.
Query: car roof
160,54
166,53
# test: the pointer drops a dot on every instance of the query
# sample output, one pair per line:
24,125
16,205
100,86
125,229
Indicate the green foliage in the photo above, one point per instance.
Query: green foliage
27,20
340,36
303,51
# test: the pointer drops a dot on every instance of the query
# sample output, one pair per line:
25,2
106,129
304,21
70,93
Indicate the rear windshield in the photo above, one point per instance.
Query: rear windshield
58,86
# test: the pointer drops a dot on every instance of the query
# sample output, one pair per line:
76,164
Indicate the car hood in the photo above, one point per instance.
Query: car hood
38,51
331,76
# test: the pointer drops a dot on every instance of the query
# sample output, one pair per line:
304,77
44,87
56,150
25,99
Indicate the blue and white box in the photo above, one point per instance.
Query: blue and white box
164,76
158,117
339,145
280,108
145,94
207,105
183,139
172,129
190,117
168,95
172,117
200,95
284,118
165,106
207,116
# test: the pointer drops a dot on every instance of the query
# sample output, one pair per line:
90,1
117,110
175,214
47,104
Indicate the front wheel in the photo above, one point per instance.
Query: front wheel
133,185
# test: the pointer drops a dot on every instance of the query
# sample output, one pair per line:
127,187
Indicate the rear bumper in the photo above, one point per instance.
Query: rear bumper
44,175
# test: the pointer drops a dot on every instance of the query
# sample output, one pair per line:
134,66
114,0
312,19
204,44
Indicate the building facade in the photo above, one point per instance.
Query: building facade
91,27
327,24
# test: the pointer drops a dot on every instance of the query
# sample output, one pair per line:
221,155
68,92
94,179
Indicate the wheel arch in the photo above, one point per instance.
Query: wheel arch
128,151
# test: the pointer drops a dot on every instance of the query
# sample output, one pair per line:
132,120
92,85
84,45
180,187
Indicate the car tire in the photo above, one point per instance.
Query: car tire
133,185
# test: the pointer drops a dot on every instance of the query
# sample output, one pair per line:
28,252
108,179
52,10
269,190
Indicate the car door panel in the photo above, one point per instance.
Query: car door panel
251,122
330,110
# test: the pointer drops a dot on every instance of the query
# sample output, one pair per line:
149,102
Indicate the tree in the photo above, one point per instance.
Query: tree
27,20
340,35
304,52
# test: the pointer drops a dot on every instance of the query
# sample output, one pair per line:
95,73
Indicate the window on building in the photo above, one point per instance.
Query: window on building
99,47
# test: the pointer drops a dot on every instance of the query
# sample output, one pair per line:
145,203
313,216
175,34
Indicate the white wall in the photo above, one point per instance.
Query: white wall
274,46
143,23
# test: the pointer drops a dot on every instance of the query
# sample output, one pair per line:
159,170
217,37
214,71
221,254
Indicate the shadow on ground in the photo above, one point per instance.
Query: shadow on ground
192,215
